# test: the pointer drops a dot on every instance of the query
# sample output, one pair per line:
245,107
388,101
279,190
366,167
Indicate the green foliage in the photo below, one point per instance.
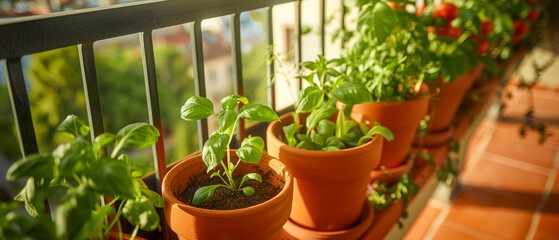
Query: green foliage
326,88
383,195
74,177
217,145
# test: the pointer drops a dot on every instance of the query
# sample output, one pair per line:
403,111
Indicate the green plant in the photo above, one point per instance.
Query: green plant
77,174
321,133
381,195
217,145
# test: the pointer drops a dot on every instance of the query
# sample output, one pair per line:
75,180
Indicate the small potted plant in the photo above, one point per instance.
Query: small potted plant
330,155
390,58
212,195
77,174
460,65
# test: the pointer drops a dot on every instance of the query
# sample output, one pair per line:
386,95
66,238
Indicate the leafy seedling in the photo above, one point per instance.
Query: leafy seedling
218,144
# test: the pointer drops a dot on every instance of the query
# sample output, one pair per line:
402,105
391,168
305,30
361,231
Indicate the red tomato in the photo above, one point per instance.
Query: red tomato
474,39
395,6
520,28
430,29
486,27
483,47
419,10
450,31
533,16
446,10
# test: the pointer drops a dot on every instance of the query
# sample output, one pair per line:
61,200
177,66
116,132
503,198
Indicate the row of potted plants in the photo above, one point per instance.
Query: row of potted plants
408,63
402,66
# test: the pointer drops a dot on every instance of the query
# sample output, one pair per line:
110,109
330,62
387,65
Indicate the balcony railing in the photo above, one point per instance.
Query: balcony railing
28,35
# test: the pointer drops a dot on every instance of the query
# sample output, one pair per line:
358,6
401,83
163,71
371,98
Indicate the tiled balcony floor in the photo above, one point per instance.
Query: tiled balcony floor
509,188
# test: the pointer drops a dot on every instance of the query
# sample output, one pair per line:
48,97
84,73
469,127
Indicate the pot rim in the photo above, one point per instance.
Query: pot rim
177,170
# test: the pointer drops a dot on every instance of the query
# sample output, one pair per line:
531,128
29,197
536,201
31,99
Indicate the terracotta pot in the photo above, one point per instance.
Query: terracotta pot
262,221
329,187
434,139
444,105
391,175
293,231
115,236
402,118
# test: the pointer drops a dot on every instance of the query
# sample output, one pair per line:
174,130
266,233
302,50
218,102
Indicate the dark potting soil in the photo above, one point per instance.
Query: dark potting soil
225,199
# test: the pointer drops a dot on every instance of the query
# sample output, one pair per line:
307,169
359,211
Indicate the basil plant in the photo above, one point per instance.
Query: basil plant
78,173
326,87
218,144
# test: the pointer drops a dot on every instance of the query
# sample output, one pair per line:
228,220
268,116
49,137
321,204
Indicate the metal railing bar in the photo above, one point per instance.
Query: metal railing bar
91,90
22,111
270,66
298,39
237,65
33,34
322,15
154,110
199,76
20,107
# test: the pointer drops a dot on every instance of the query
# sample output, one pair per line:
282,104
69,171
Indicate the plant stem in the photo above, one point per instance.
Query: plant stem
133,235
116,218
226,168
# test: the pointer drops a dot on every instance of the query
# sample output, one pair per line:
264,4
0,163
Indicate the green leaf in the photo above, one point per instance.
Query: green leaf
225,120
248,191
330,148
73,126
318,115
136,136
111,177
251,150
352,93
290,131
231,101
103,140
377,129
141,213
95,223
326,127
205,193
334,141
255,141
196,108
257,112
74,211
36,165
33,195
214,150
308,145
153,197
250,176
72,158
309,99
318,138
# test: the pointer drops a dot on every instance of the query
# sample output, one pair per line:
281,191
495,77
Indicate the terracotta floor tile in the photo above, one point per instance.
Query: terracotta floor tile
507,142
490,175
490,211
544,236
549,224
446,233
423,222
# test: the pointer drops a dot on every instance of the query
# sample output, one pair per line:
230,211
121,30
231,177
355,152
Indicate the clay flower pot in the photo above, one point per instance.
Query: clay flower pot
446,103
262,221
292,231
329,187
402,118
391,175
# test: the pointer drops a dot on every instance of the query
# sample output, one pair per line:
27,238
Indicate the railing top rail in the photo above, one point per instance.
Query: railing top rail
34,34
